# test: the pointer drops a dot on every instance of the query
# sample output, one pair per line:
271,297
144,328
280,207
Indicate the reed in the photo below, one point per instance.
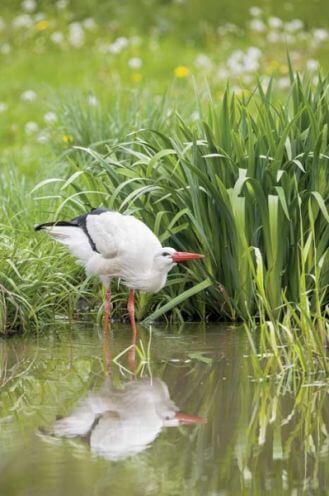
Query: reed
247,185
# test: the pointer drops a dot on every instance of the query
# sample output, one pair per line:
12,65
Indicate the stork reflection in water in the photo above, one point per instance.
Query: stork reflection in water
118,423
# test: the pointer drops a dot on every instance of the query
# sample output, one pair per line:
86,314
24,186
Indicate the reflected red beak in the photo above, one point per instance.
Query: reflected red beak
183,256
184,418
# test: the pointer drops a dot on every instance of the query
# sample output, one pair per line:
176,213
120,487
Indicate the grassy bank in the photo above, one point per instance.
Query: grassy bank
139,118
245,183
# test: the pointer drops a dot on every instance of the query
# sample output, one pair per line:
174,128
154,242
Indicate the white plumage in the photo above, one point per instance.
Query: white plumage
110,244
122,422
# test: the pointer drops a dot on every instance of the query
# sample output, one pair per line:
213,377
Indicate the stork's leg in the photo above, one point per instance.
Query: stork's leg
131,311
107,307
106,330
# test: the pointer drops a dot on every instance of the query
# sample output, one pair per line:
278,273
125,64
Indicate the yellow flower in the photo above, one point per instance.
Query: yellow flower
67,138
181,71
283,69
274,64
136,77
42,25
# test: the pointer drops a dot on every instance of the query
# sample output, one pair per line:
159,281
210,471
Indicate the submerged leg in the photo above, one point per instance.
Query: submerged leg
106,330
107,308
131,311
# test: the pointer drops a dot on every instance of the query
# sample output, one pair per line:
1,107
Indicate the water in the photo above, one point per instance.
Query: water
261,437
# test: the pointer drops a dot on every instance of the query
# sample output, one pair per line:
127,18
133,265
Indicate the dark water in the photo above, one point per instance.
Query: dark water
116,434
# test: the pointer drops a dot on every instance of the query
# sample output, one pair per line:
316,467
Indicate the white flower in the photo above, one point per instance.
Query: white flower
195,116
76,35
5,48
114,48
135,63
257,25
236,88
283,82
254,52
228,27
2,24
294,25
312,65
50,117
247,474
57,37
240,62
28,96
31,127
203,61
22,21
92,101
265,81
273,37
29,5
223,73
255,11
40,16
43,137
89,23
118,45
275,22
235,62
62,4
3,107
250,65
320,35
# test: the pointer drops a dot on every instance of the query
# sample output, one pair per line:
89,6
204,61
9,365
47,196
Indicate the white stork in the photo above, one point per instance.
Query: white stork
118,423
113,245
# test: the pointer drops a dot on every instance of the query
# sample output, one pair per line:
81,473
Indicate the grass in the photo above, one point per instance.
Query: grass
246,185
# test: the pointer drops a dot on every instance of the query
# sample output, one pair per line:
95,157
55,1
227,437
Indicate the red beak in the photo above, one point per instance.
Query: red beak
184,418
183,256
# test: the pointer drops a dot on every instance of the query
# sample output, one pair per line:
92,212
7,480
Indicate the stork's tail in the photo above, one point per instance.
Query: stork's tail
63,231
59,223
69,234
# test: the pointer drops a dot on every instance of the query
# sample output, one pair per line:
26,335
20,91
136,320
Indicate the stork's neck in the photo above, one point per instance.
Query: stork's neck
150,281
155,281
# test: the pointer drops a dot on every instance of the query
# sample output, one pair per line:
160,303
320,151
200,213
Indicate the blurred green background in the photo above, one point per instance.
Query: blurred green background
101,48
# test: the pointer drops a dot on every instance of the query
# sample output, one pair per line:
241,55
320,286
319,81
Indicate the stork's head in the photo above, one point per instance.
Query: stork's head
168,257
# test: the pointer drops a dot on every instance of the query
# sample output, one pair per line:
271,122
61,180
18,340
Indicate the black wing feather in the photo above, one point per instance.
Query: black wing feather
80,221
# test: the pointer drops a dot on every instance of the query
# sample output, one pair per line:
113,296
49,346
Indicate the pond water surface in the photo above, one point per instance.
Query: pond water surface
69,425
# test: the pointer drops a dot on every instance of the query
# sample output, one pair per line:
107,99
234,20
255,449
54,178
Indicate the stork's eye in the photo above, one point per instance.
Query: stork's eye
166,254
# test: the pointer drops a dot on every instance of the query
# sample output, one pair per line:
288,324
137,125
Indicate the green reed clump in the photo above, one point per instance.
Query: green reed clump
36,280
246,184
